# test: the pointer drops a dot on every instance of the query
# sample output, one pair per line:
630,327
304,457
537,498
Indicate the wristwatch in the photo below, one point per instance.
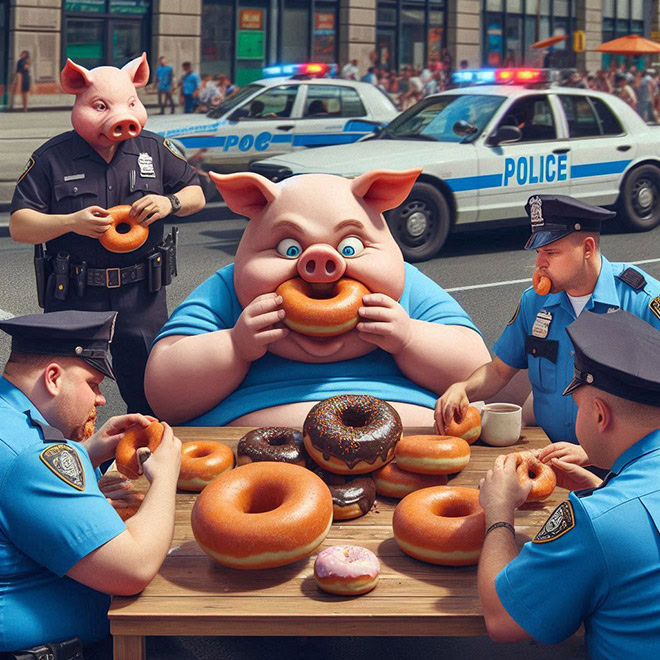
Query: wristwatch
175,202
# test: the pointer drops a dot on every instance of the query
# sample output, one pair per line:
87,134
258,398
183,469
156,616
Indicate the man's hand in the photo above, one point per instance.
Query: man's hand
116,487
93,221
572,476
254,329
451,405
566,451
102,445
150,208
165,462
386,324
500,491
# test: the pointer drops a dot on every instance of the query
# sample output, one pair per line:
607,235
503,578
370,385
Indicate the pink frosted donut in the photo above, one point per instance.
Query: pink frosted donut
348,570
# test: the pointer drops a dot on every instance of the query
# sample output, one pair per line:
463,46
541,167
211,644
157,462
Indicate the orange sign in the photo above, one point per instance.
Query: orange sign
251,19
324,21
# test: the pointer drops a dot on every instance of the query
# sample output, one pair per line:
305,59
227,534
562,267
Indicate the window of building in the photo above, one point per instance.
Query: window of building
295,35
218,21
622,17
324,36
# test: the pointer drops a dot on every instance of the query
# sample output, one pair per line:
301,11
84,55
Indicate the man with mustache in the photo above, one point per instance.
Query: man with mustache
63,548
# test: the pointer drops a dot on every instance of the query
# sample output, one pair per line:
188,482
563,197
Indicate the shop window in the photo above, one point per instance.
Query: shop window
84,42
324,38
513,41
412,37
295,31
494,39
217,38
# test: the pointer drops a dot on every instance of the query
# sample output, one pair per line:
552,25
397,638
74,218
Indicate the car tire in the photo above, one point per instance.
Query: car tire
639,202
421,224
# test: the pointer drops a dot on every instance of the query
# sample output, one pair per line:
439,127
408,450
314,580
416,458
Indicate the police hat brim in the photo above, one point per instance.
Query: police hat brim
103,365
540,238
573,385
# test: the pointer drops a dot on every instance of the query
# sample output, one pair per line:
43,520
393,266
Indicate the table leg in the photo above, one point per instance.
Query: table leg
129,647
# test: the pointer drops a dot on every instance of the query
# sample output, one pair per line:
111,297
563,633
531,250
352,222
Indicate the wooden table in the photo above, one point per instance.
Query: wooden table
193,595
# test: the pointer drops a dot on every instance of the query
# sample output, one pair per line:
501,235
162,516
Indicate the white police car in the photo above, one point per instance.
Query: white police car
276,116
485,149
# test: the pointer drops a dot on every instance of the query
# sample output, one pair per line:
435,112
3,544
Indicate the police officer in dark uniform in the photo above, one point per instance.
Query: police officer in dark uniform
63,548
62,199
595,561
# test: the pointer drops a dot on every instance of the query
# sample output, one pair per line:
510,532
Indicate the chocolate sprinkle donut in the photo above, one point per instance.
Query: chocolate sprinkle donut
272,443
353,428
346,491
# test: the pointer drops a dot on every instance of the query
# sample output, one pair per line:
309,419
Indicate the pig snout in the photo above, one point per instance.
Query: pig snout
321,263
123,129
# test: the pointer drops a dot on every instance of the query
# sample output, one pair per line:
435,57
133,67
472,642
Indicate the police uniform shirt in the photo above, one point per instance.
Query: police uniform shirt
52,515
597,560
536,339
66,175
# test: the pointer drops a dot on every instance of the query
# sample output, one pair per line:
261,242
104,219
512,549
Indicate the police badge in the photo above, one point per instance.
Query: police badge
535,213
63,461
146,165
561,520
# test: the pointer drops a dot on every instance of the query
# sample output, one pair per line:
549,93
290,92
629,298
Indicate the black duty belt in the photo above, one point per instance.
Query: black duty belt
112,278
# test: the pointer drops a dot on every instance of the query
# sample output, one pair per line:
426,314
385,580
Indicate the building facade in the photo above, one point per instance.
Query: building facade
240,37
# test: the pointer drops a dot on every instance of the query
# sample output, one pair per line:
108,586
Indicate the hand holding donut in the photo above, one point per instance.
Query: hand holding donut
451,406
165,462
565,451
573,477
150,208
386,324
500,491
254,329
101,445
93,221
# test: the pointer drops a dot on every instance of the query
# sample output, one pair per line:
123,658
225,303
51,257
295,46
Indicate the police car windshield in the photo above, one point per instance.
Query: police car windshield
232,101
434,118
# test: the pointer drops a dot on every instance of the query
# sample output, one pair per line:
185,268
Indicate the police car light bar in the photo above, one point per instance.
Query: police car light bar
502,76
308,69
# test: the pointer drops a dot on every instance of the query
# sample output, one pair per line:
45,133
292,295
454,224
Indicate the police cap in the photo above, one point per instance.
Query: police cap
556,216
86,335
618,353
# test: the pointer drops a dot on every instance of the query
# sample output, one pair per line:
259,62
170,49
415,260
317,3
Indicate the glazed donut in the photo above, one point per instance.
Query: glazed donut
469,428
432,454
271,443
392,481
309,313
136,237
352,433
134,438
442,525
351,498
542,283
201,462
347,570
262,515
543,478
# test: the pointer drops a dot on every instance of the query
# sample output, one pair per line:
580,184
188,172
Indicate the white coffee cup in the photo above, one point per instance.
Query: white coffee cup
501,424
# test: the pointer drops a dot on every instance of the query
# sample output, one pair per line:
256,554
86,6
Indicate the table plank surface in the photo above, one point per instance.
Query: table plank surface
193,595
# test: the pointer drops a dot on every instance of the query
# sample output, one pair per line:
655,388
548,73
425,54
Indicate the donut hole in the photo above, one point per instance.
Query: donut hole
354,418
264,500
123,228
454,509
277,441
531,474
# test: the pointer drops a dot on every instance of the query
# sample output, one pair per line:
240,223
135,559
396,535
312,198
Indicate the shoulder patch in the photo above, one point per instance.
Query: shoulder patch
654,306
633,278
28,167
561,520
63,461
515,314
173,149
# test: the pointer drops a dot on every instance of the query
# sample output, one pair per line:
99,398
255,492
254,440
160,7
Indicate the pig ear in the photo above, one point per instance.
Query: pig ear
138,70
246,193
74,78
384,189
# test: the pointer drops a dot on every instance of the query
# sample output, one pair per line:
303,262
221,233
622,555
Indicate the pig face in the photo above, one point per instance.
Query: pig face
319,228
107,108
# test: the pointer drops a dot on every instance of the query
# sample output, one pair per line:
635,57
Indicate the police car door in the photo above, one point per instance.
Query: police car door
538,163
326,110
263,127
600,149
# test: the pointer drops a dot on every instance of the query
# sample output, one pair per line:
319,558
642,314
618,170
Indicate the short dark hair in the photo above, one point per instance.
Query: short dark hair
187,64
32,360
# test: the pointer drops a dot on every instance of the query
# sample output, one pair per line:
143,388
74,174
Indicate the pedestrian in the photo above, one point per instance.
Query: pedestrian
22,79
624,91
189,85
164,83
350,70
63,196
595,560
369,76
64,548
645,94
566,237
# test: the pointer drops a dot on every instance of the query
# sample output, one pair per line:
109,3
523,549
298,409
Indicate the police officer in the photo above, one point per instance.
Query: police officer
62,199
596,558
64,548
566,237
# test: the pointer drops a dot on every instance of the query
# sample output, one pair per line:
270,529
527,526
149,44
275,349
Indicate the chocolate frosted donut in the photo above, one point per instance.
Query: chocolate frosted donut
351,498
352,433
271,443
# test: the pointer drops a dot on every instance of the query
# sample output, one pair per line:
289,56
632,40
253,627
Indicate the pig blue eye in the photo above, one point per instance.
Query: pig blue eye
350,247
289,248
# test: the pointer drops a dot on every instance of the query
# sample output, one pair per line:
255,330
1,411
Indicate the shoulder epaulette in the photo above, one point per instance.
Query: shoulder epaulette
633,278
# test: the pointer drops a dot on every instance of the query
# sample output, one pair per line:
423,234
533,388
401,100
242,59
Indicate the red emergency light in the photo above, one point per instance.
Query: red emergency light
519,75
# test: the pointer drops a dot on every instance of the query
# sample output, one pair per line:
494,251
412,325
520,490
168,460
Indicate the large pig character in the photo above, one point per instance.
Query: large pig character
225,356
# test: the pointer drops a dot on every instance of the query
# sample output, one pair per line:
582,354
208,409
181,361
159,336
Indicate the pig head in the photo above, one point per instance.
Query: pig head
320,228
107,108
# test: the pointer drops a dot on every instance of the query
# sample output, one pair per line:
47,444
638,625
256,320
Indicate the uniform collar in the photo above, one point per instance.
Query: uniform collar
80,148
646,445
18,400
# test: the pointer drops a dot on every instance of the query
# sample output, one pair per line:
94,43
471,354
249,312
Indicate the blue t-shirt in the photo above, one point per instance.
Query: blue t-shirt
190,82
273,380
52,514
164,78
596,560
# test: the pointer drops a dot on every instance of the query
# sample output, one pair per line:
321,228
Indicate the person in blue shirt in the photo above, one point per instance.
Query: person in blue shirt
566,237
163,85
189,84
596,560
63,548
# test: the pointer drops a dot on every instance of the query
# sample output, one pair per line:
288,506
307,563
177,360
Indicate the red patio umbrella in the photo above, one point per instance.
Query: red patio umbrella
632,44
550,41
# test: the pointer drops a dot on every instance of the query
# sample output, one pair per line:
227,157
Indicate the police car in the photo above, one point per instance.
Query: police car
278,115
486,147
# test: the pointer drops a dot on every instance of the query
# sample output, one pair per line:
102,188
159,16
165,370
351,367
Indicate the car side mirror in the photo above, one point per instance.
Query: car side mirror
363,126
504,134
464,128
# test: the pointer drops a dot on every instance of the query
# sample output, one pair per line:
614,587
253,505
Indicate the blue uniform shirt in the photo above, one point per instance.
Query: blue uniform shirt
164,77
596,560
47,525
536,339
273,380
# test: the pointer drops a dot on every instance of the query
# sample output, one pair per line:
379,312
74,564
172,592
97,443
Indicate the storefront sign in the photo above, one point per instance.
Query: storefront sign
134,7
323,22
90,6
435,44
251,19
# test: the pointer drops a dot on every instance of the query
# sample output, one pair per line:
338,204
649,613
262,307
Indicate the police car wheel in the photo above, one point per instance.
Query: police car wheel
421,224
640,199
